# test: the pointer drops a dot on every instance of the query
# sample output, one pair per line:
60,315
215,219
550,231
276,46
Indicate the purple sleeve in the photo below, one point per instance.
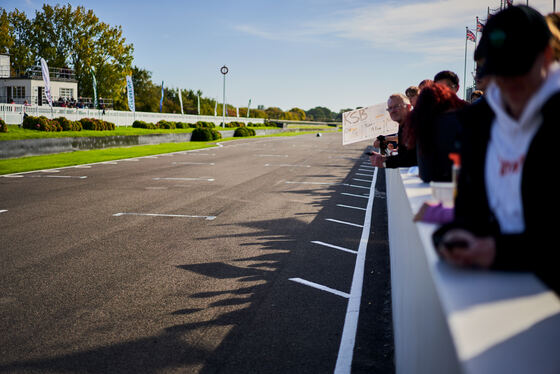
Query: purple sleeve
438,214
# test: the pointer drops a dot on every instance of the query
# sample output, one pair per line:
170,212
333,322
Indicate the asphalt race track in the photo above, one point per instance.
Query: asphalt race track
244,258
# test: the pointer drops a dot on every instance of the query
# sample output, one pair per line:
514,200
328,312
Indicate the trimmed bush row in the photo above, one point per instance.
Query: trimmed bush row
244,131
205,134
42,123
182,125
171,125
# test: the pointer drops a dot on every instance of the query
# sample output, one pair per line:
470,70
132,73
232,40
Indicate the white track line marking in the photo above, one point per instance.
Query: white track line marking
320,287
354,195
346,349
355,186
343,222
361,180
208,218
335,247
322,183
59,176
351,207
192,163
364,175
184,179
290,165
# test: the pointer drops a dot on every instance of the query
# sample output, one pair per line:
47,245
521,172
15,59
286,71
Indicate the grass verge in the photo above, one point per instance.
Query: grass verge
58,160
22,164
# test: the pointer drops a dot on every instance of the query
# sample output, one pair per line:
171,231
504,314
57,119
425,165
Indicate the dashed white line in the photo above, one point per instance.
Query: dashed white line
354,195
334,246
184,179
59,176
321,287
208,218
290,165
361,180
351,207
343,222
355,186
192,163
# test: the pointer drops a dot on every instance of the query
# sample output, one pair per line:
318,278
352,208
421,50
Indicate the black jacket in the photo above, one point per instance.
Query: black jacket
534,249
405,157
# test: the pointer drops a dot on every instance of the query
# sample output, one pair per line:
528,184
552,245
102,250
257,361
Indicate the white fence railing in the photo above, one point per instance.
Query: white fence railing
13,114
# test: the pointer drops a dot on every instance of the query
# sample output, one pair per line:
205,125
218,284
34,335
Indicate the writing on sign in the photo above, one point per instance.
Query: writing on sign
367,123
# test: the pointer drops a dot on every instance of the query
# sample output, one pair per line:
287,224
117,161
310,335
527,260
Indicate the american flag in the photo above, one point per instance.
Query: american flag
471,36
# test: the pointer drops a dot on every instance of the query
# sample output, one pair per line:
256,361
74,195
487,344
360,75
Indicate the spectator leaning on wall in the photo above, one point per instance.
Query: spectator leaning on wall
506,194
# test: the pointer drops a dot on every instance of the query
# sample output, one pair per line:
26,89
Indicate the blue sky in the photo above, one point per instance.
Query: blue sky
294,53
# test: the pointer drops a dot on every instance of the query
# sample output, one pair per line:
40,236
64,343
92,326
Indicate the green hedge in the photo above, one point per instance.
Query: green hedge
205,134
162,125
243,131
96,124
42,123
3,126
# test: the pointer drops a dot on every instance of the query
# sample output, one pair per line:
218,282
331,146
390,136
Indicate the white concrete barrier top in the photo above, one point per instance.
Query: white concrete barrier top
499,322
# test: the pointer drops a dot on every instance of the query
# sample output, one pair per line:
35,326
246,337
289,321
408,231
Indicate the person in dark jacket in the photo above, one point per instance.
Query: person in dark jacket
505,192
399,108
434,131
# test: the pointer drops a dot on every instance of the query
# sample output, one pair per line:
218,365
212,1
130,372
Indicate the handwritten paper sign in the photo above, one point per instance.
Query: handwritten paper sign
367,123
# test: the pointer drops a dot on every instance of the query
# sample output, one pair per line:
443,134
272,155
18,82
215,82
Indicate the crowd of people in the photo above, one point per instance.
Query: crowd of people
504,139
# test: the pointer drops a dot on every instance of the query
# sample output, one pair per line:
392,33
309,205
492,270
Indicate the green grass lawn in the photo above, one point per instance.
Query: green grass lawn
17,133
23,164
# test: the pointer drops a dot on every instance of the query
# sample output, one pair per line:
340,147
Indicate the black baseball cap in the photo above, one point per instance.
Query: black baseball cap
511,41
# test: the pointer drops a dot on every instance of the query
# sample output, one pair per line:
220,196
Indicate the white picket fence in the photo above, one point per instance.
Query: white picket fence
12,114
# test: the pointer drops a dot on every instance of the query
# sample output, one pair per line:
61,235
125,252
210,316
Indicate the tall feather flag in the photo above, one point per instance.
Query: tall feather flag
161,100
216,108
94,84
198,104
46,80
181,100
248,108
130,93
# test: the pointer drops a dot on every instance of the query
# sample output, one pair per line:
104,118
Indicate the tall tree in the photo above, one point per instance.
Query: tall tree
74,38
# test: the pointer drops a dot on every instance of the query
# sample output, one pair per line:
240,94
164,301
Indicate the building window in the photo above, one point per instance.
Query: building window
18,92
66,93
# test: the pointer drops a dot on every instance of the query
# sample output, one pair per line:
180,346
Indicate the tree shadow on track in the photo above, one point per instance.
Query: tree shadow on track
277,325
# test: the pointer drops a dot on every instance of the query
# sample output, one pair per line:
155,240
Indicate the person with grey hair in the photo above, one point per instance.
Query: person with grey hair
399,109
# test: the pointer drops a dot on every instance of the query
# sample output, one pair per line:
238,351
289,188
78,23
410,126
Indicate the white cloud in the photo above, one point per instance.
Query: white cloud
432,28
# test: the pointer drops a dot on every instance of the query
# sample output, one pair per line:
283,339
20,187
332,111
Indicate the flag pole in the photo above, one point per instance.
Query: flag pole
465,71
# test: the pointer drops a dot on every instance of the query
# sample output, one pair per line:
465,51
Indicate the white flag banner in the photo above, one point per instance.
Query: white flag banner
181,100
46,80
367,123
130,93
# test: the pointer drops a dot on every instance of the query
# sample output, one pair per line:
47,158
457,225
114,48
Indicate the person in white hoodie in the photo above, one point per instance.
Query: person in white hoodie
506,197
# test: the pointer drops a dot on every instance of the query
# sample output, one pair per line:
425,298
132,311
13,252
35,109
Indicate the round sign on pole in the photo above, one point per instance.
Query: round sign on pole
224,70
